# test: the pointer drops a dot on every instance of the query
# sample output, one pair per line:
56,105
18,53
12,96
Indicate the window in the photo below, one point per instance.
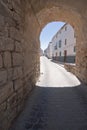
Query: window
59,43
65,53
74,49
60,53
65,41
55,47
56,53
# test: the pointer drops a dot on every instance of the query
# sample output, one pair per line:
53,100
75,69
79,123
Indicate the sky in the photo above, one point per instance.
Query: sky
48,32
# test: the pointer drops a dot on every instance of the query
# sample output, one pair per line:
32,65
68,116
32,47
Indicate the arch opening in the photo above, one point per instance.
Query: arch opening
58,41
74,18
50,38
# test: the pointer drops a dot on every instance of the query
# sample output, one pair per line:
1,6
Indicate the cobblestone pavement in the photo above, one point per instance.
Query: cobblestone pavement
54,109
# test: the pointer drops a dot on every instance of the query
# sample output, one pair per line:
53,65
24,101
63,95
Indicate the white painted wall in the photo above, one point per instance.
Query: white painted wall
62,34
71,41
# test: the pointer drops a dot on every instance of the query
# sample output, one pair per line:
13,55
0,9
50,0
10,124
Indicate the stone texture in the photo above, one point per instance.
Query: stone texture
4,31
3,107
1,62
2,21
18,46
7,59
11,106
15,34
70,67
3,77
9,22
6,44
10,74
18,84
6,91
17,73
20,98
17,59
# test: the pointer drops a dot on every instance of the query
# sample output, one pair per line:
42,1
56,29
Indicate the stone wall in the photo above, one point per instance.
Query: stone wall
19,58
70,67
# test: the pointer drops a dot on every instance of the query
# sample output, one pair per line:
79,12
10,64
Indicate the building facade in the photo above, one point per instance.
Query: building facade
63,45
49,51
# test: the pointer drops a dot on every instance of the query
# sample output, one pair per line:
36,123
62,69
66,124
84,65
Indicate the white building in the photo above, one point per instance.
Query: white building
48,52
63,45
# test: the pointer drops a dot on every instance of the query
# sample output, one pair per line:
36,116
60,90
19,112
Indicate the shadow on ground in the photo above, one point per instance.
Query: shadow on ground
52,108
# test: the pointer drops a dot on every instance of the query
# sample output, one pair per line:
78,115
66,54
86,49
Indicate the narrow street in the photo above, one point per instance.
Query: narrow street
59,102
54,75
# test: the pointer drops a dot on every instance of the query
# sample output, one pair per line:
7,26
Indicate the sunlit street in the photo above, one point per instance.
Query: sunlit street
55,75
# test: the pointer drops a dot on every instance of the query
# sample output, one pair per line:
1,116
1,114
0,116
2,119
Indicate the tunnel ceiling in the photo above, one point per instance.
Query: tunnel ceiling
73,4
58,10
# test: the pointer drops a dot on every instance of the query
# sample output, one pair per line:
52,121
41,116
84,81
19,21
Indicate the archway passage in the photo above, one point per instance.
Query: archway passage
20,25
75,20
51,72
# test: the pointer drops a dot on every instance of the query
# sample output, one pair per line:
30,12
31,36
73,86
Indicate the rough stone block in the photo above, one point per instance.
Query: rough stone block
6,91
2,21
1,62
4,31
9,44
18,84
10,73
17,59
3,10
11,106
12,101
18,46
17,73
15,34
16,5
9,21
7,59
17,18
20,97
3,106
6,44
3,77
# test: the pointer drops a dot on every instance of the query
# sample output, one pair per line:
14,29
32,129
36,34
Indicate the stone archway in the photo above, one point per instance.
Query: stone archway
72,16
20,26
72,13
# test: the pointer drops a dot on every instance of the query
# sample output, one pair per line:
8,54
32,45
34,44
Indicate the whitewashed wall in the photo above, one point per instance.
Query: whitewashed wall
62,35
